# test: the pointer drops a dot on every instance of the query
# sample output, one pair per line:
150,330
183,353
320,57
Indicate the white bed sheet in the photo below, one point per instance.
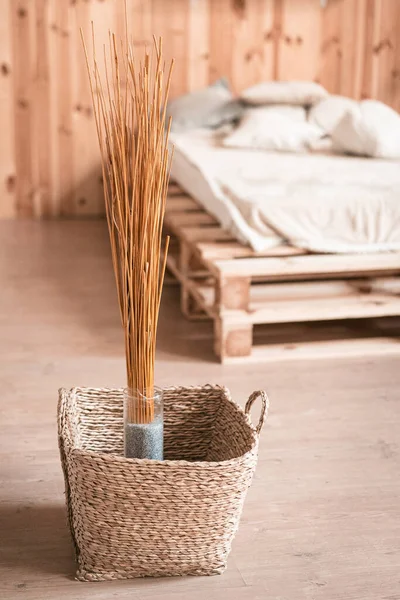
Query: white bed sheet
321,202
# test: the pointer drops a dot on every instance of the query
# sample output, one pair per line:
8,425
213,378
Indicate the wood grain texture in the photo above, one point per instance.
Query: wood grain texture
221,37
49,153
387,52
43,122
198,42
7,126
63,144
22,32
299,50
87,186
321,520
252,47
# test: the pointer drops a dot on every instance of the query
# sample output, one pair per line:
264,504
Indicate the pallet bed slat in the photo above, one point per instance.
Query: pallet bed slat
181,203
239,288
204,234
311,264
178,219
315,301
346,307
233,249
331,349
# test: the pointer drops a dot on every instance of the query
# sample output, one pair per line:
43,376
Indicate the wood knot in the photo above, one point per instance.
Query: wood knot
64,130
253,53
82,201
5,69
21,12
290,347
239,7
385,43
10,183
332,41
22,103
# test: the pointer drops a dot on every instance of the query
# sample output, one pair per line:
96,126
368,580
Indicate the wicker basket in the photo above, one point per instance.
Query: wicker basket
135,518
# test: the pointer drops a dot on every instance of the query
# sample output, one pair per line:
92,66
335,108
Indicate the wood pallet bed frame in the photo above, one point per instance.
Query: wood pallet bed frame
238,288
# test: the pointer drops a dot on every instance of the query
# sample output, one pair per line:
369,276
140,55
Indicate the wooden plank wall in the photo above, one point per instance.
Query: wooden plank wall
49,162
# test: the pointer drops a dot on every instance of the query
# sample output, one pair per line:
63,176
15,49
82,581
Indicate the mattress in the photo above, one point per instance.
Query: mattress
322,202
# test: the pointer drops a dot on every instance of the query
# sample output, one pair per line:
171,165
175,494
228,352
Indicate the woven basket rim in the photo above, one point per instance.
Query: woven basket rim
204,464
167,463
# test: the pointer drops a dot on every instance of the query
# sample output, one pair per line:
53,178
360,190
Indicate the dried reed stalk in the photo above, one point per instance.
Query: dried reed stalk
129,107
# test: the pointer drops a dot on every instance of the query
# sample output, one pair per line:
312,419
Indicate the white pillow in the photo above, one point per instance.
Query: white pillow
271,129
210,107
373,130
303,93
328,112
288,111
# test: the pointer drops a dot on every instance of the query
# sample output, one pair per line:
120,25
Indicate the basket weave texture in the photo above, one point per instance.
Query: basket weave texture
135,518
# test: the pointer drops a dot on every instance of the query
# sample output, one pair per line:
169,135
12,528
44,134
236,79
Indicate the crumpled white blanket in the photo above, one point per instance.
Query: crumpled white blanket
320,202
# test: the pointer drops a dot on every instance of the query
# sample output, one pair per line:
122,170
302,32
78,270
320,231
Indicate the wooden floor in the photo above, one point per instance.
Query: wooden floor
322,519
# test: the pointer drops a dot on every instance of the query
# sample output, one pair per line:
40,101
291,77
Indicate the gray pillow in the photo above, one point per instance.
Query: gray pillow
210,107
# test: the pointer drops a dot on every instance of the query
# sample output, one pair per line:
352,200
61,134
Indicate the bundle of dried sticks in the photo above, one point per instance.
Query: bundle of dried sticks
130,110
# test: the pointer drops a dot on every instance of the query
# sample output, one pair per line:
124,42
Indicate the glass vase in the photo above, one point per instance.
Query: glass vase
143,424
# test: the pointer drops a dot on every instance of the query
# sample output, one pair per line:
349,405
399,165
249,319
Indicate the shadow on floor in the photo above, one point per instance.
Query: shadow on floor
36,539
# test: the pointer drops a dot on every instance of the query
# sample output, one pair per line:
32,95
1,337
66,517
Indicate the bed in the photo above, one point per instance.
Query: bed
250,226
321,201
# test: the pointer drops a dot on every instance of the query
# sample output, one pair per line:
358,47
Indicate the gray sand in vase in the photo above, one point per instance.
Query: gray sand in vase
145,440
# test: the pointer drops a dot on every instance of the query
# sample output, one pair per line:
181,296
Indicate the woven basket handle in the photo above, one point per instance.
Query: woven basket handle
61,410
264,407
